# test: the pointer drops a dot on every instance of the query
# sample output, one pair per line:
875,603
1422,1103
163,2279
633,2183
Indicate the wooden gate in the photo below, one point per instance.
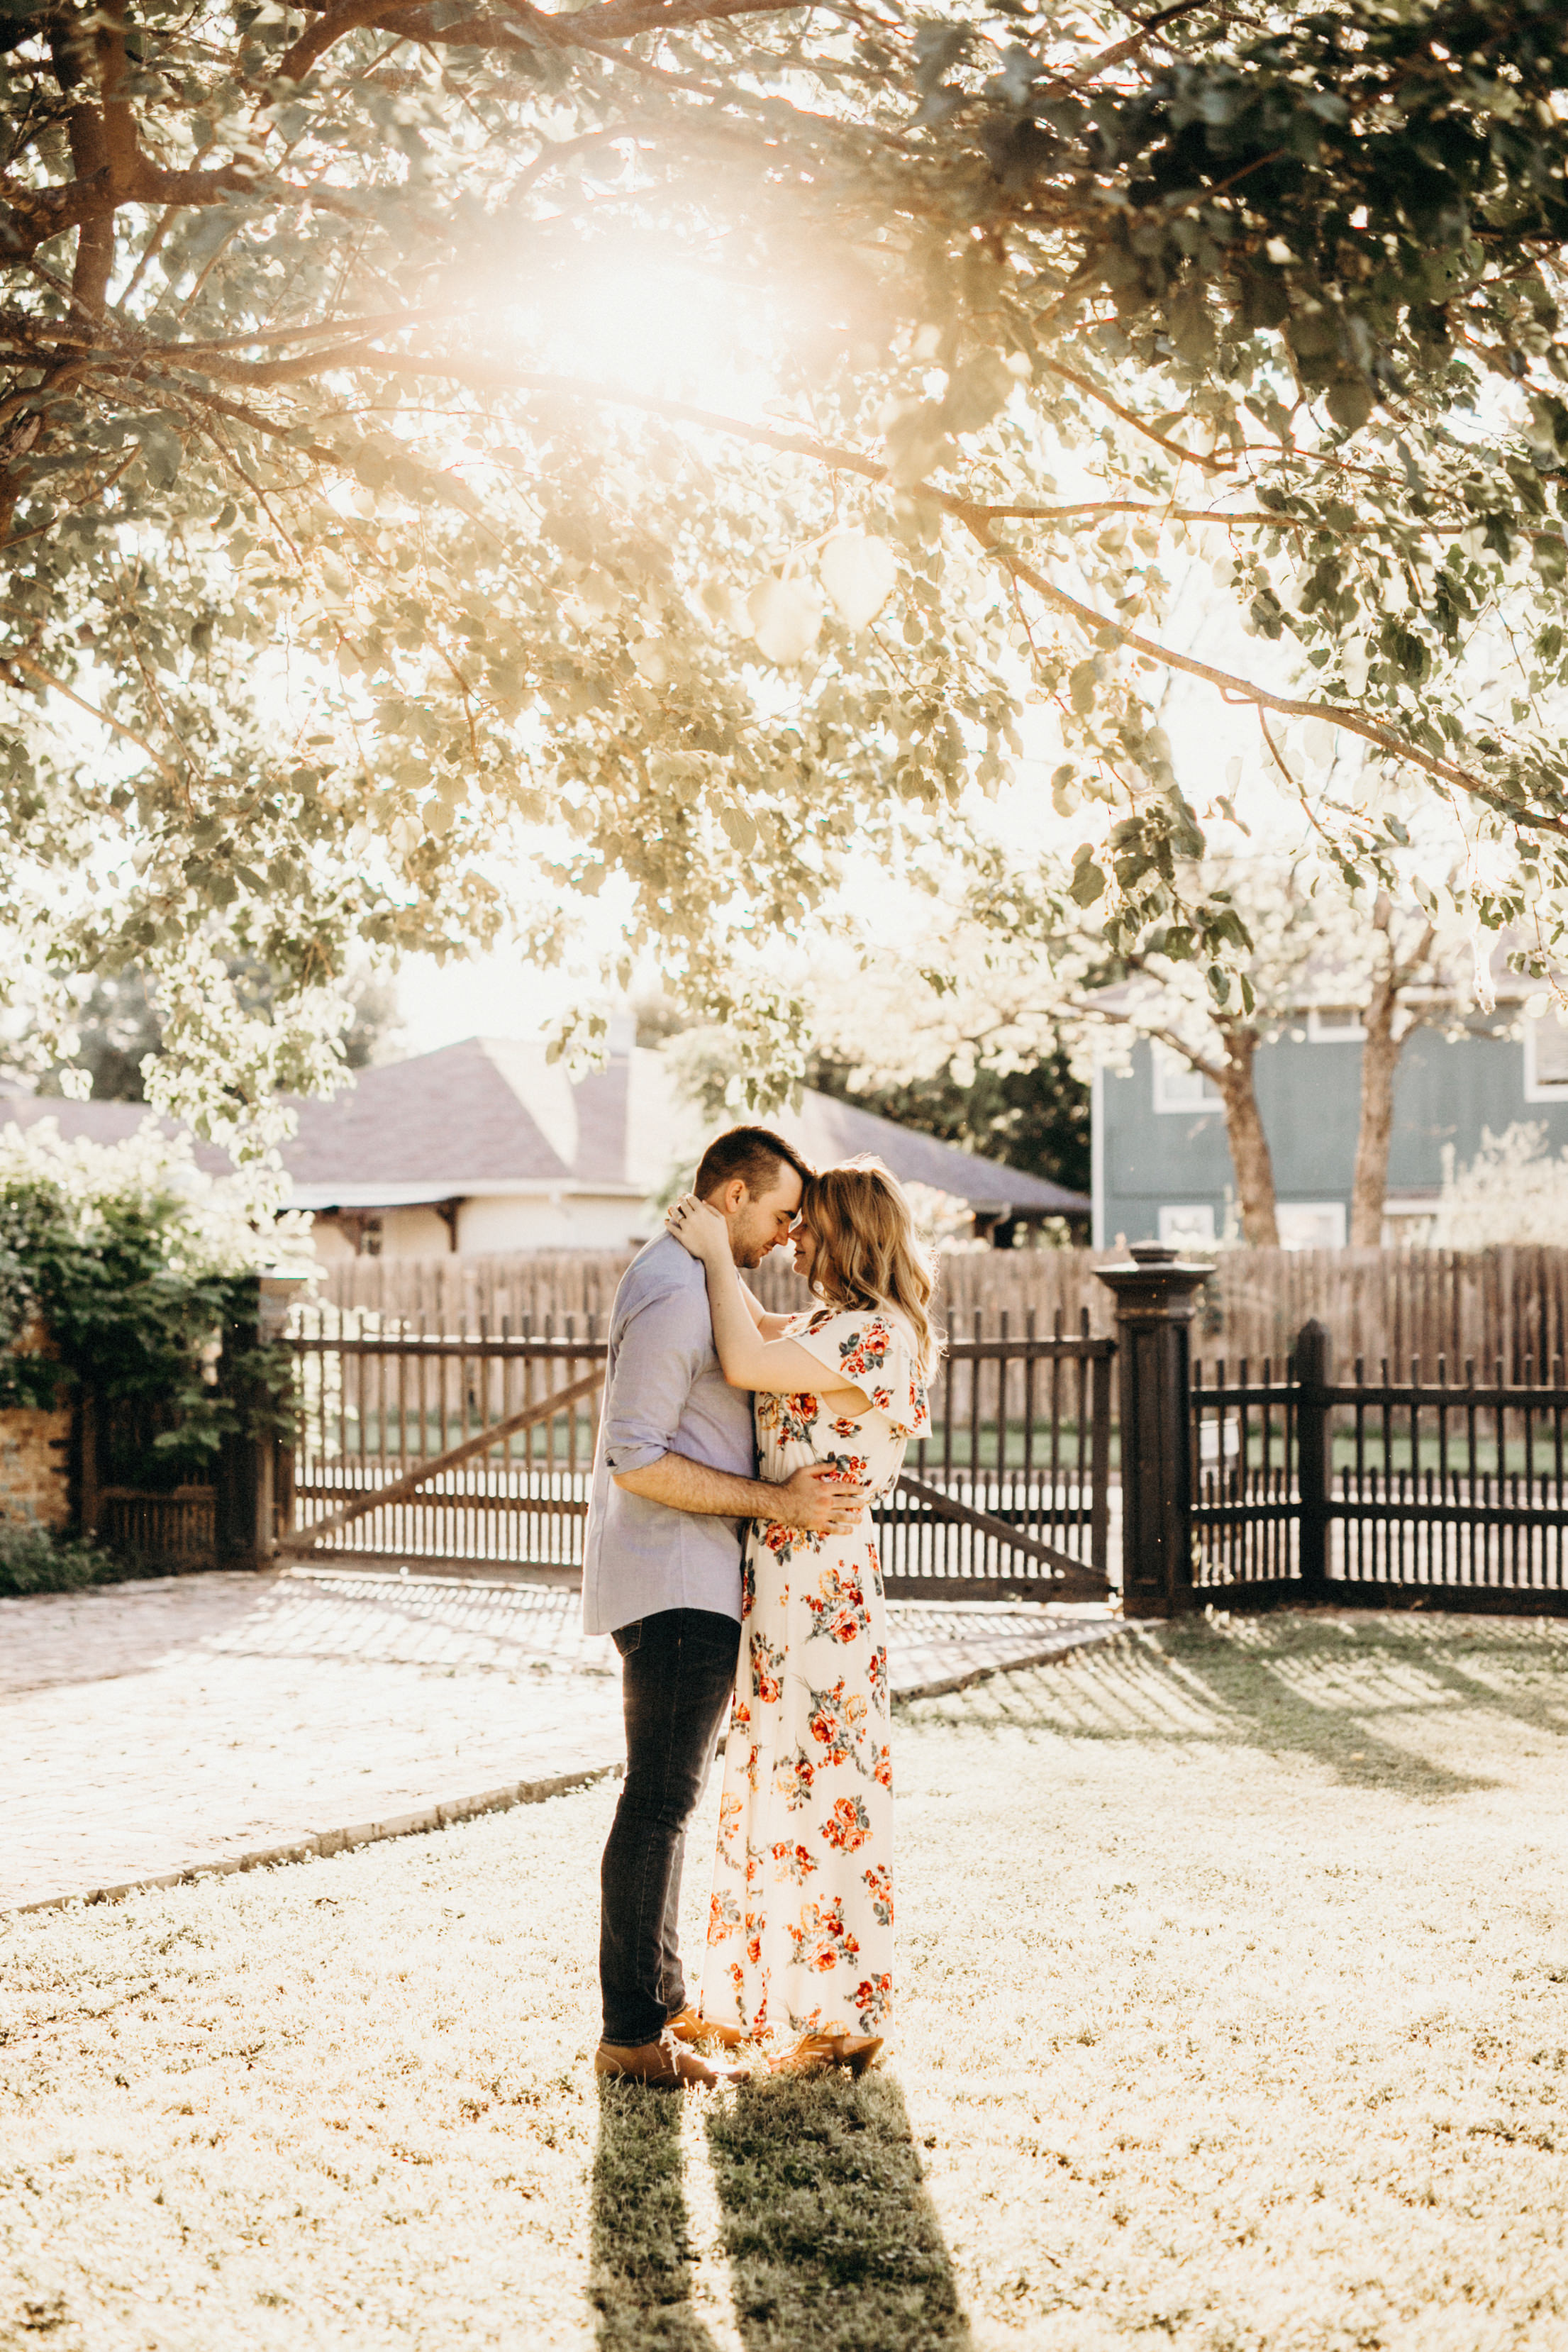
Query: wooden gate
444,1451
465,1451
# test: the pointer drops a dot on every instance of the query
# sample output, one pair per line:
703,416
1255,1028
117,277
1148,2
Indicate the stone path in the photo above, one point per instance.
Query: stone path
148,1731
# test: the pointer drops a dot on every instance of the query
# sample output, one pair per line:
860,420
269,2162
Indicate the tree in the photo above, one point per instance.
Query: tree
1513,1192
1034,1117
119,1027
1014,970
1393,962
325,508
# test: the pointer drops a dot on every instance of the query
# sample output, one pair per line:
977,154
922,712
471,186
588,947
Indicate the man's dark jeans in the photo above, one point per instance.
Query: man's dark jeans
677,1672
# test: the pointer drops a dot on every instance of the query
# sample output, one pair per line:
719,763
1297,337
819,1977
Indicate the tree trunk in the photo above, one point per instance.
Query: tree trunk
1379,1060
1249,1153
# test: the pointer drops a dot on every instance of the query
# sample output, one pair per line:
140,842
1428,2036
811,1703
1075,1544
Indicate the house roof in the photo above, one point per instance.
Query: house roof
825,1130
484,1116
494,1117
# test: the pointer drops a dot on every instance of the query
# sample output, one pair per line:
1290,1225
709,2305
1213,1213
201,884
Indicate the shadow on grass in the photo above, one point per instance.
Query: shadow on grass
1463,1653
640,2280
1294,1683
833,2240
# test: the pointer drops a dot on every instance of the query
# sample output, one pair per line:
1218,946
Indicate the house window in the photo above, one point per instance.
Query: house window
1334,1024
1310,1225
1187,1228
1546,1059
1179,1088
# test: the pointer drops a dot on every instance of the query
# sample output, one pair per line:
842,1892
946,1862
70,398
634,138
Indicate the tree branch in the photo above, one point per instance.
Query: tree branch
1241,689
1213,1071
105,719
1129,416
612,20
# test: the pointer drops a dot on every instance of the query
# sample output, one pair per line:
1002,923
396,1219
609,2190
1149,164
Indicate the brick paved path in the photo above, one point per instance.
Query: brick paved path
202,1722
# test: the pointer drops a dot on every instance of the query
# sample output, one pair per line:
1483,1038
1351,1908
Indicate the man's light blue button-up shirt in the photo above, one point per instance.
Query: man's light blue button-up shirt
664,1393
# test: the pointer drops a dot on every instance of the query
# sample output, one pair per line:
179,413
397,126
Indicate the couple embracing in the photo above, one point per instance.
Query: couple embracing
731,1555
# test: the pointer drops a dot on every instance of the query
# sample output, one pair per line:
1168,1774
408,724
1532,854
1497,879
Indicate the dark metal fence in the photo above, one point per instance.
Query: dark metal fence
1010,1493
1381,1490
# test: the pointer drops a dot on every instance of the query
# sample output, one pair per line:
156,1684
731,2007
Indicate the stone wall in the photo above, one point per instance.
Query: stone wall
35,1465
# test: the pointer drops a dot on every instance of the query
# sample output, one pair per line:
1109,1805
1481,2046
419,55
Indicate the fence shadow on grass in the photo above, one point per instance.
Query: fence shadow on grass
1490,1662
832,2240
640,2280
1295,1683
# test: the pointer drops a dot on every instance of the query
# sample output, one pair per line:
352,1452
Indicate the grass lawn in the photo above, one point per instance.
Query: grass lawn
1235,1972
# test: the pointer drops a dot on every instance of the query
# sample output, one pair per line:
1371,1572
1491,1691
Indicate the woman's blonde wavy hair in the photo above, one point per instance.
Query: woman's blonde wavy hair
868,1251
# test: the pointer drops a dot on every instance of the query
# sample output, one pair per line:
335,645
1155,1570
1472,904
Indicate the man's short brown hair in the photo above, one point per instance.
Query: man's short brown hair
755,1154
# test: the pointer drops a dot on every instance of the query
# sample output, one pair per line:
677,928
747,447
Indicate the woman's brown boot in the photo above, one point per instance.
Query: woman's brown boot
814,2053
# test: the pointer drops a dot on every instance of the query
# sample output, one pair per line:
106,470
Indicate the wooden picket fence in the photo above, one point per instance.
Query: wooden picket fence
1510,1304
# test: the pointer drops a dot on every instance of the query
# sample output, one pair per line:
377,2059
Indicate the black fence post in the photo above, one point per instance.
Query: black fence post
1154,1302
245,1472
1313,1467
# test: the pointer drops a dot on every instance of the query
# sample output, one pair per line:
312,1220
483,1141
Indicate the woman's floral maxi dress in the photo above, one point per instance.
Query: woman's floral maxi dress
800,1929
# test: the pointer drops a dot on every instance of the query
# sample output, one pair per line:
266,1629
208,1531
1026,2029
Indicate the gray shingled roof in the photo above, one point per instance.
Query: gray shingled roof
489,1112
449,1120
829,1130
461,1115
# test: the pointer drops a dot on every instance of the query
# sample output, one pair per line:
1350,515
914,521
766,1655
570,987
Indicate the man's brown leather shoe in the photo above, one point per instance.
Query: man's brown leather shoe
663,2065
687,2026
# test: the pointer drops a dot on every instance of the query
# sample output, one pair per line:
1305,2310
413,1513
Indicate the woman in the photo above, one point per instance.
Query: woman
801,1932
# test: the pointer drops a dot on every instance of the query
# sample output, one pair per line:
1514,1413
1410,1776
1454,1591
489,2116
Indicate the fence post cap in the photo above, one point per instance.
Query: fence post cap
1153,1280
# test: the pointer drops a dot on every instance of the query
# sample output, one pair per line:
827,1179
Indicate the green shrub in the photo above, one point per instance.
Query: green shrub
32,1559
134,1263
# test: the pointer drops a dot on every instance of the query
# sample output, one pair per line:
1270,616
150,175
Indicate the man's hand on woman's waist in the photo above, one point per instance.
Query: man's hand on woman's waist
818,1498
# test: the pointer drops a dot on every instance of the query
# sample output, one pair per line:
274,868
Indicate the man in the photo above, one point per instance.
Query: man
674,1483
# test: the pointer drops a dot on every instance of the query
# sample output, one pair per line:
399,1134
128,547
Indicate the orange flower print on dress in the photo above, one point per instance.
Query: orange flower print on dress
793,1863
838,1608
873,2000
834,1720
785,1542
806,1880
730,1809
821,1939
878,1884
766,1669
789,1419
848,1826
723,1917
793,1782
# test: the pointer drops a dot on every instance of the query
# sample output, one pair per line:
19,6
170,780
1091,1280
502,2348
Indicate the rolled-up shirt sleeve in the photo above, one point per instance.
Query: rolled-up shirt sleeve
662,1347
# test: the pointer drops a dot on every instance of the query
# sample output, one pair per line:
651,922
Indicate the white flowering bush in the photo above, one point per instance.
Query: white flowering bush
1513,1191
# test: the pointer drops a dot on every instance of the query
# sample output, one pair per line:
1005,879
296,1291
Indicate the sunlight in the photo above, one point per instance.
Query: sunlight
664,329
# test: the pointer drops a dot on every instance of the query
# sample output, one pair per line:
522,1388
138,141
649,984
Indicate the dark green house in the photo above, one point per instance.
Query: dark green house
1162,1169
